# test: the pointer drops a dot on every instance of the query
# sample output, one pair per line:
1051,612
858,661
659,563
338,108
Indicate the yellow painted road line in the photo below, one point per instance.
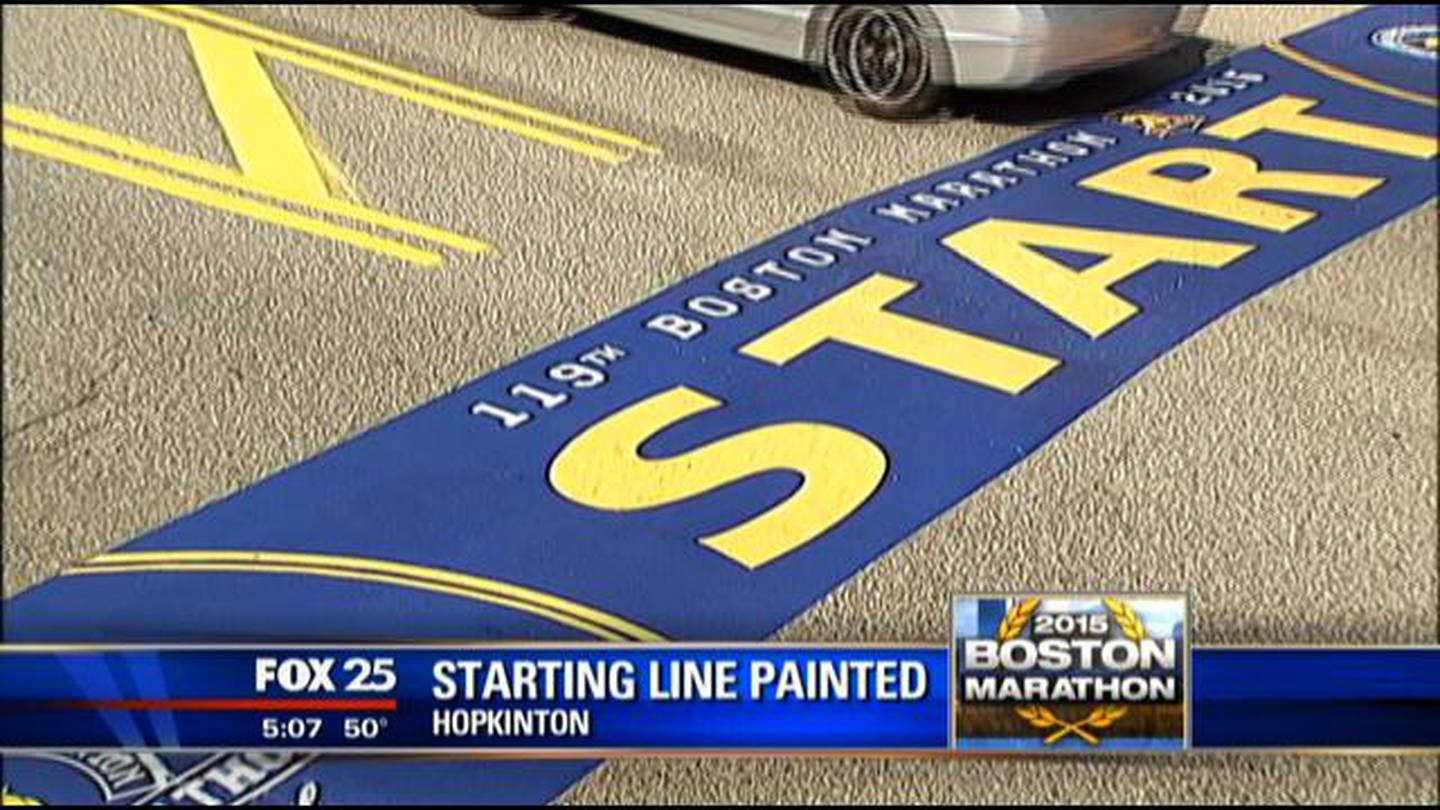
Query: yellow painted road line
205,170
474,96
1341,74
401,91
353,576
262,133
344,70
211,196
435,580
604,154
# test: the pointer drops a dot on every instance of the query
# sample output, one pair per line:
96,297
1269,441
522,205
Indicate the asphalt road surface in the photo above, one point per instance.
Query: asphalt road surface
160,353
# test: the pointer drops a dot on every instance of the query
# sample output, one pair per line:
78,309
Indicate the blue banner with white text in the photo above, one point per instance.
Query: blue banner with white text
612,699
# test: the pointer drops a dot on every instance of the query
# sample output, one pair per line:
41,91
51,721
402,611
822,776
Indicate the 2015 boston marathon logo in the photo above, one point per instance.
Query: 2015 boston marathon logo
1419,41
1070,673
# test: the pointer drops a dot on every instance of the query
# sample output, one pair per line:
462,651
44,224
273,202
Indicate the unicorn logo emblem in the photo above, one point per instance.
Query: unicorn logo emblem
1157,124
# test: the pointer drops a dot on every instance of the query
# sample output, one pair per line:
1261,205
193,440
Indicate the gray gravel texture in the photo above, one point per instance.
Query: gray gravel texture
1281,466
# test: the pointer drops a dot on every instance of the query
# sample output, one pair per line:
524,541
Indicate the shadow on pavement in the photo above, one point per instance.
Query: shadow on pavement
1086,95
727,55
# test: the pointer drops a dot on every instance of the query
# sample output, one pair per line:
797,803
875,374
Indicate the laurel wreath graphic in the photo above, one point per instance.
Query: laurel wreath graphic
1041,717
1018,617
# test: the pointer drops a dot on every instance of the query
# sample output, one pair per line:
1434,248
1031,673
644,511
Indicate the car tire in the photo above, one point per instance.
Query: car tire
886,61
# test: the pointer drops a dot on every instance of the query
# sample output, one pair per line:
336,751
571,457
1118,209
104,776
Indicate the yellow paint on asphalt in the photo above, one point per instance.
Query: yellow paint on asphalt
258,123
603,625
1291,115
211,197
461,102
1348,77
204,170
436,85
278,158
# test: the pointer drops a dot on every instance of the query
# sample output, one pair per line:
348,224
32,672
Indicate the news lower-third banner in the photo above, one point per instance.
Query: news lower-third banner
1036,693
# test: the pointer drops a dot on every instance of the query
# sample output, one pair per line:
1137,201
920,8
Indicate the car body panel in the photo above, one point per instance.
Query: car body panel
778,30
990,46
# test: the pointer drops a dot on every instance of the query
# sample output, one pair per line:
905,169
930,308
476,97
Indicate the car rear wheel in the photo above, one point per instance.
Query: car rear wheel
886,61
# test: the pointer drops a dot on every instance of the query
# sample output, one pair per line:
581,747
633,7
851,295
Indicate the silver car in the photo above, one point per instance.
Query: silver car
897,61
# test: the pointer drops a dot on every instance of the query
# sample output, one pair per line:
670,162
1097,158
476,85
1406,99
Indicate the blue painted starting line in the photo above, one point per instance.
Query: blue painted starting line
710,462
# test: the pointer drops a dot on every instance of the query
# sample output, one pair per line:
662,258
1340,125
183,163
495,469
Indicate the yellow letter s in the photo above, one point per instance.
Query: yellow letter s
602,468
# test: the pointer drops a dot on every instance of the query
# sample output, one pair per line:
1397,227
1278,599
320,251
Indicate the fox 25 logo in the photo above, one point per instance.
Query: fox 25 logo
1049,673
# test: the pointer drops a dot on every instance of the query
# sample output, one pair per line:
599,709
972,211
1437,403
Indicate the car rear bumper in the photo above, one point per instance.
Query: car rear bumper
1052,46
